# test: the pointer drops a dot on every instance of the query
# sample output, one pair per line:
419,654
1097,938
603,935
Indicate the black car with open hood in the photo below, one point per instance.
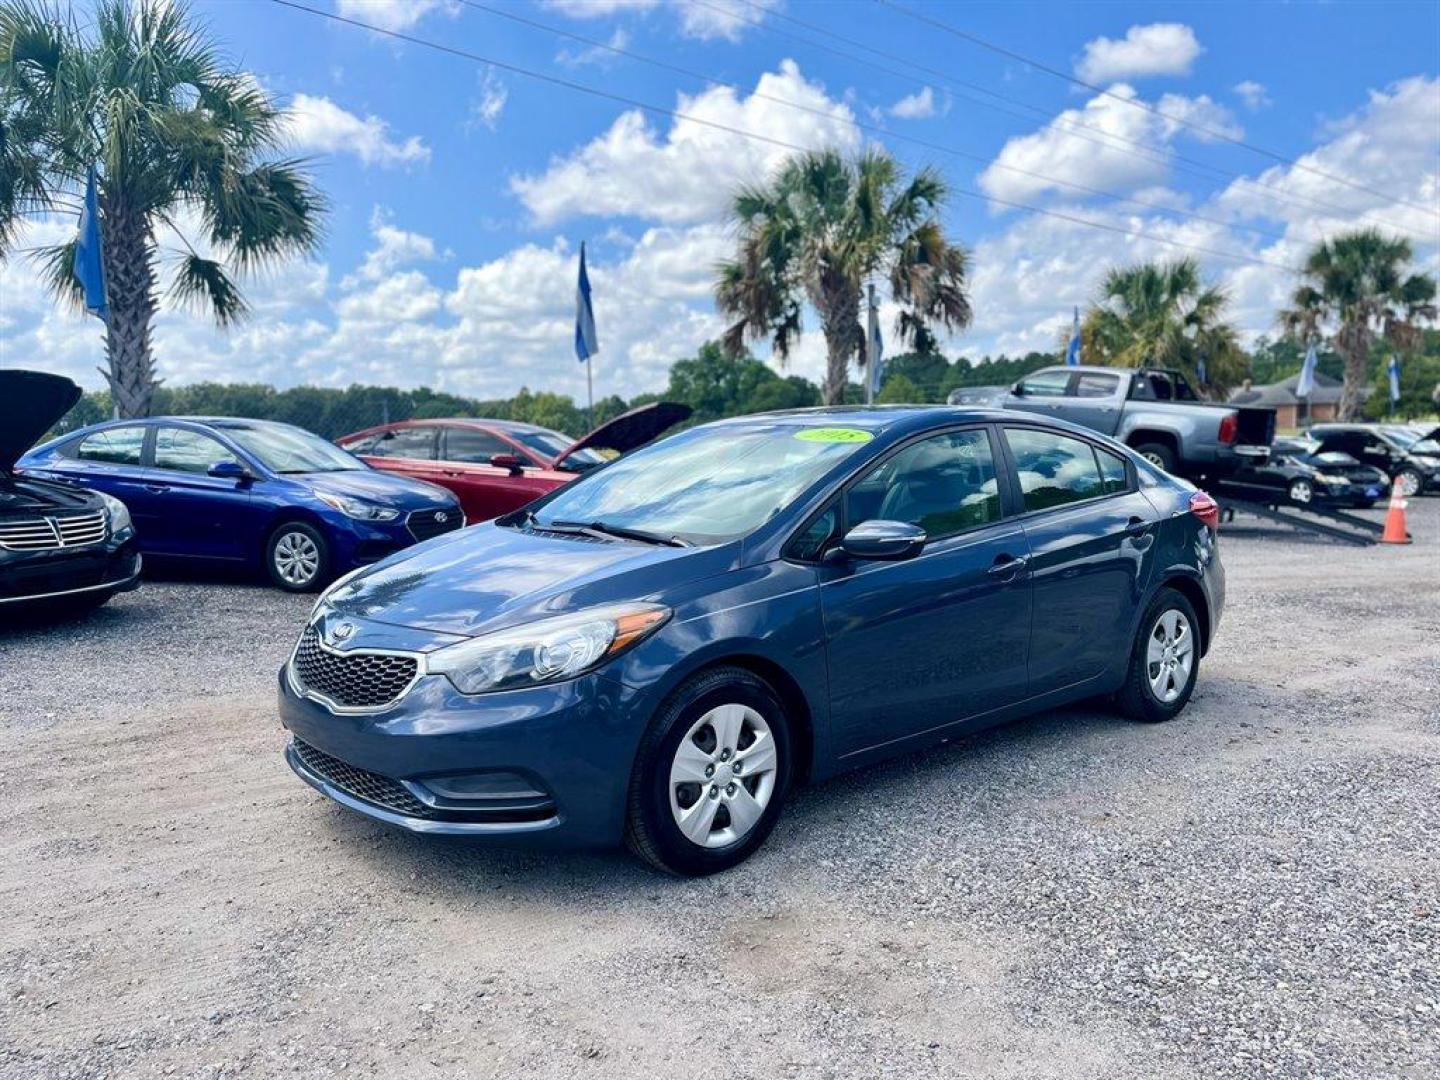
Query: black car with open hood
60,544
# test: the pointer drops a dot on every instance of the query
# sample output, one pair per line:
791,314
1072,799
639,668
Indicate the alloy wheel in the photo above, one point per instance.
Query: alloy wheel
1301,492
297,558
723,775
1169,656
1407,483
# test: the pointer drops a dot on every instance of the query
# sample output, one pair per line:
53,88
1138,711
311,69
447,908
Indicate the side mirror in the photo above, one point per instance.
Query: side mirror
883,540
506,461
230,470
1018,389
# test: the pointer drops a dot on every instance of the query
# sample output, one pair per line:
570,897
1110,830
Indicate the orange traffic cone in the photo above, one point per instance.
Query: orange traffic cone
1395,532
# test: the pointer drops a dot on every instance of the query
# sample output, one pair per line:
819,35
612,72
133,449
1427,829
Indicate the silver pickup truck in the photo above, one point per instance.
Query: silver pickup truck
1153,410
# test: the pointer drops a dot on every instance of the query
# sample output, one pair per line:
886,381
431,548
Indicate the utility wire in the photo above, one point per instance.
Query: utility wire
676,114
1213,132
1164,156
873,128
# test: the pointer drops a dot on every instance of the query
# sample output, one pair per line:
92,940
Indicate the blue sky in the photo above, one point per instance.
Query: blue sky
461,192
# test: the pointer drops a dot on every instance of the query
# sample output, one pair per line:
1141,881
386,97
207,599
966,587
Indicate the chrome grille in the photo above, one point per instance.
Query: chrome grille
363,680
423,524
46,533
362,783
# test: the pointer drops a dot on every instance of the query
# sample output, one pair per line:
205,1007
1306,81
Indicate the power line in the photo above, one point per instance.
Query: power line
873,128
1164,156
1213,132
676,114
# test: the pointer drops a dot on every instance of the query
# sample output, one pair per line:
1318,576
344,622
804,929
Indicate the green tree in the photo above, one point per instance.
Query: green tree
899,390
716,384
1162,314
144,96
1357,290
816,233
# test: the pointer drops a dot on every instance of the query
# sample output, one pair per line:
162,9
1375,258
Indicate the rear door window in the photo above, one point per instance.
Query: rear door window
415,443
1054,470
1112,472
1092,384
116,446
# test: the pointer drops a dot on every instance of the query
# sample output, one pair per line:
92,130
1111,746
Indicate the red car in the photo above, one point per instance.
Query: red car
495,466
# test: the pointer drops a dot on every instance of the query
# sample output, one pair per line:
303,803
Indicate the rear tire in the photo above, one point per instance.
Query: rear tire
1163,665
1408,482
297,557
1158,454
737,791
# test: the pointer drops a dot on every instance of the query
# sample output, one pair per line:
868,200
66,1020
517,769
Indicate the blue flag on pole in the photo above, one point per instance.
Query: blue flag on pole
1306,383
89,253
1072,350
586,343
1394,376
874,348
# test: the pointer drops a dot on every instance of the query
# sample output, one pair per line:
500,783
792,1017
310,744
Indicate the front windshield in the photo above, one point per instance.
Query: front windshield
1429,447
548,444
285,449
1404,437
707,485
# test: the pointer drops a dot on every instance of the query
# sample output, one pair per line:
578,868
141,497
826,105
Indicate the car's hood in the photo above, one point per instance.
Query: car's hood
22,493
490,576
30,403
386,489
632,429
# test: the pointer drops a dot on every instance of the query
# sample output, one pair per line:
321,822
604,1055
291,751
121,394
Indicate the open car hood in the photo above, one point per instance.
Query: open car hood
30,403
632,429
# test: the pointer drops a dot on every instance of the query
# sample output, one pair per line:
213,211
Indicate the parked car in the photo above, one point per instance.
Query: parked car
1413,465
248,492
1152,410
1302,473
496,466
658,650
61,545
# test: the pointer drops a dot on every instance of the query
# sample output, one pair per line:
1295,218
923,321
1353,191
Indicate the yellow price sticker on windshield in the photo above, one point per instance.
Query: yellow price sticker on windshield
833,435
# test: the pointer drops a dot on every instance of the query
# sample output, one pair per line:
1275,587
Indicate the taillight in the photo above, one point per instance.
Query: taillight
1206,509
1229,428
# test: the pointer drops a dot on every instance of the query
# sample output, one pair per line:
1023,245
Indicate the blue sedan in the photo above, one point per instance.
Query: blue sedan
248,491
659,651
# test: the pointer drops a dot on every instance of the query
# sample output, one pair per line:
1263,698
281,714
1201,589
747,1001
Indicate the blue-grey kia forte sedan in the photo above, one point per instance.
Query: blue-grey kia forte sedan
658,651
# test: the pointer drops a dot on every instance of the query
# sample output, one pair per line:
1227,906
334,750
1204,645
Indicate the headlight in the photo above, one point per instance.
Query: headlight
546,651
118,513
1330,478
358,508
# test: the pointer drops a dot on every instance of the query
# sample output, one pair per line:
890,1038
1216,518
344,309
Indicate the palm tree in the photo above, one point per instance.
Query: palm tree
816,232
177,137
1357,284
1162,314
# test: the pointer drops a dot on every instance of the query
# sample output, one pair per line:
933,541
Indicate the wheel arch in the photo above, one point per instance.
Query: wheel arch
1153,435
1191,589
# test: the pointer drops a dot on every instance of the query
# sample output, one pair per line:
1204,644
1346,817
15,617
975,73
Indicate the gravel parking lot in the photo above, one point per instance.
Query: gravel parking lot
1252,890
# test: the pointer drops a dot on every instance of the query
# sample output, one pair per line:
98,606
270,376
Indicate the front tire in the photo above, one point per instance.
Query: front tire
1301,492
1164,661
711,775
297,557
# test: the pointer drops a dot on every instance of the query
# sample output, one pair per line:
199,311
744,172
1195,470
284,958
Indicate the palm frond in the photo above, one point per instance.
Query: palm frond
203,285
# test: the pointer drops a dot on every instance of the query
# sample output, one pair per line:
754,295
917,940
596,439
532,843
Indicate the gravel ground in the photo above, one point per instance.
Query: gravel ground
1250,890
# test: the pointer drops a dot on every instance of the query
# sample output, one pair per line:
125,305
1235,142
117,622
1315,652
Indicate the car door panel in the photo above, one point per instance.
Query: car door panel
486,491
203,516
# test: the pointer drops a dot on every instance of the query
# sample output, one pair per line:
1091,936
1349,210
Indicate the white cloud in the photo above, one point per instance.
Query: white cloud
595,54
1157,49
318,125
1253,94
724,19
393,249
1074,146
391,14
488,107
687,173
915,106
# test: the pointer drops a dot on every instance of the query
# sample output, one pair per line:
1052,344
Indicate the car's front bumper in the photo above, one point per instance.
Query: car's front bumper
548,766
62,574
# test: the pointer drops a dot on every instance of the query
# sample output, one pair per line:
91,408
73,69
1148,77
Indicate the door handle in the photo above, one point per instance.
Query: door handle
1007,567
158,489
1137,526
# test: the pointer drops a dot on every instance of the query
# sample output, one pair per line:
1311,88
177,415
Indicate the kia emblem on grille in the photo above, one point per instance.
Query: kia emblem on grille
441,515
342,632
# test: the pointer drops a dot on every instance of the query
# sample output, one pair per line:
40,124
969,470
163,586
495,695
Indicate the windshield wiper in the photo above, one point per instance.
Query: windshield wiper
605,529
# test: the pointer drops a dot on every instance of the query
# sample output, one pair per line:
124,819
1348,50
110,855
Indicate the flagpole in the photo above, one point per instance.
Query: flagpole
590,391
869,360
